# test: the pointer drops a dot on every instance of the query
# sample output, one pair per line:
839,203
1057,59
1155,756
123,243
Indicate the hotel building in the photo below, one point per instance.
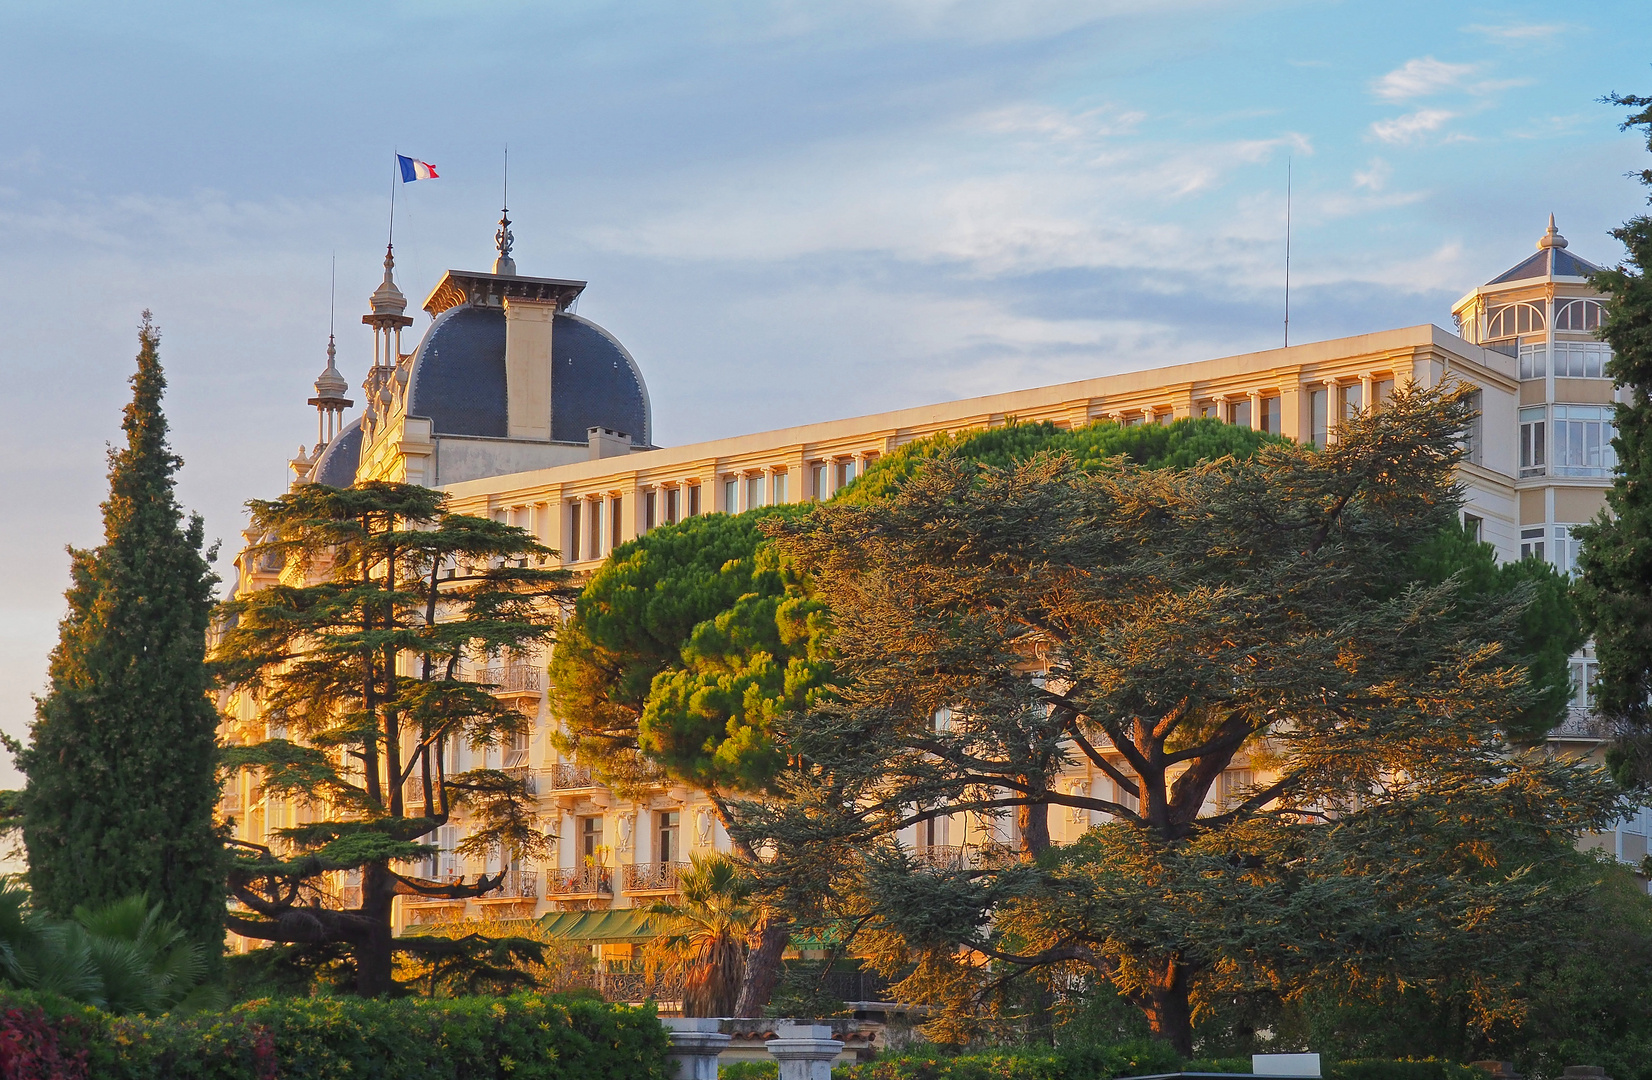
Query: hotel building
523,411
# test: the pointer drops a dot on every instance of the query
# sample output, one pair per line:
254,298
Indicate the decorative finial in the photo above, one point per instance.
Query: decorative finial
387,299
503,239
1551,238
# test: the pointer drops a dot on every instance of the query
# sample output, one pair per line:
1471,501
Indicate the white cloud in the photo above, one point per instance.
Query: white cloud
1374,176
1411,126
1420,78
1520,33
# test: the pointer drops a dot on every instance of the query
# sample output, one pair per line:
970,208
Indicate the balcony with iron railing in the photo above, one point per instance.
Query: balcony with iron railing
651,877
518,678
519,884
566,776
567,881
1583,724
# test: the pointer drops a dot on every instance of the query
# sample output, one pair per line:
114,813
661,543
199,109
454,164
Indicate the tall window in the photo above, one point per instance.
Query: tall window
1565,549
1235,783
777,488
1474,437
817,481
590,837
754,491
616,521
1583,440
1349,402
1534,361
596,528
1381,391
1581,359
731,496
649,499
1270,415
1533,442
573,530
1239,413
693,500
1531,543
1474,526
1319,417
667,846
845,472
1208,411
1584,674
516,753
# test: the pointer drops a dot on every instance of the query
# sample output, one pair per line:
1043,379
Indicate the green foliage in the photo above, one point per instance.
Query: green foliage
1263,613
749,1070
1615,593
375,575
705,934
1179,445
1548,630
124,957
684,640
121,788
521,1037
1384,1069
1081,1062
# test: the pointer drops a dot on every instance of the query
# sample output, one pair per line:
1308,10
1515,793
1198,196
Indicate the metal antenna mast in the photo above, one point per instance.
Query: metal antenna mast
1287,252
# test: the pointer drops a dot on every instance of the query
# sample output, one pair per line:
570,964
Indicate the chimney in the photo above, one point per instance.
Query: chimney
606,443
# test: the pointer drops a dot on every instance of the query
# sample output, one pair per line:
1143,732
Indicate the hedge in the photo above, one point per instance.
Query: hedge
1382,1069
521,1037
1074,1063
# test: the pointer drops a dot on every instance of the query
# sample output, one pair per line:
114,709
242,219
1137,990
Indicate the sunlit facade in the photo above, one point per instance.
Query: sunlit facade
525,412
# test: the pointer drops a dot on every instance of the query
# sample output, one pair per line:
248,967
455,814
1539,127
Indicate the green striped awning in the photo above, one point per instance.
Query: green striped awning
596,927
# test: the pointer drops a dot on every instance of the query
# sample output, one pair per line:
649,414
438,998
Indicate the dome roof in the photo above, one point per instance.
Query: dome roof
458,379
337,467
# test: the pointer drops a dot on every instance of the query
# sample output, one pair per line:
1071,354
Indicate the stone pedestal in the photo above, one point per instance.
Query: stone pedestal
805,1051
695,1044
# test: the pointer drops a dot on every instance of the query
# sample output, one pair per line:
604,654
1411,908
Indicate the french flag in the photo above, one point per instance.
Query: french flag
414,169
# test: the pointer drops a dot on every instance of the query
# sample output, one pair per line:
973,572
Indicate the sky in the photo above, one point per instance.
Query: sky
788,212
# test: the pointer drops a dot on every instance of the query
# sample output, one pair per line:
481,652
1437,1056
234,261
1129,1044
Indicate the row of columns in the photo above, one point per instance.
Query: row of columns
804,1051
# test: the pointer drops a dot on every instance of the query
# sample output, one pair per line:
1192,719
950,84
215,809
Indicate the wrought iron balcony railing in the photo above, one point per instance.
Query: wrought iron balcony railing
1583,724
651,876
579,881
568,777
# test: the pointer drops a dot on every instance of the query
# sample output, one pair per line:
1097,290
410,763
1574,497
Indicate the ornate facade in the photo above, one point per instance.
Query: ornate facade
526,412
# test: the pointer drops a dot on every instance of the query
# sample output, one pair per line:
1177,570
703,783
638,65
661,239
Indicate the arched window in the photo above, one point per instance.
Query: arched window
1579,315
1513,320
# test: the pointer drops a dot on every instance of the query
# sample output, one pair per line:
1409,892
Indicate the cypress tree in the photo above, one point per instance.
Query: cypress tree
1615,590
122,755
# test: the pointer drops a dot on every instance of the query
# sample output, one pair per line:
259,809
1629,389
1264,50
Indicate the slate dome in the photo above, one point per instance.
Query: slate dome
458,378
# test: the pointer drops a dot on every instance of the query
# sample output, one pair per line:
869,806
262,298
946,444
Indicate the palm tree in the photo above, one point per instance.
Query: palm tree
706,934
124,957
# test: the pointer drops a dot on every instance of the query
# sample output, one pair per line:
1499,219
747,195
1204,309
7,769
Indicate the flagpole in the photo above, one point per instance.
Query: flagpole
395,163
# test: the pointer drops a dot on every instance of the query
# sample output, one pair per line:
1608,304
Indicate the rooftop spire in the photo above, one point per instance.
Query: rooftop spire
503,239
1551,238
387,299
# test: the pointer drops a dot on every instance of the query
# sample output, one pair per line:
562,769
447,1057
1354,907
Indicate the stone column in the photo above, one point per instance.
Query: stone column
805,1051
695,1044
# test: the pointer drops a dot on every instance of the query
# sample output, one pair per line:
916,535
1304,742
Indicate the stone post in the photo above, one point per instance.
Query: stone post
695,1044
805,1051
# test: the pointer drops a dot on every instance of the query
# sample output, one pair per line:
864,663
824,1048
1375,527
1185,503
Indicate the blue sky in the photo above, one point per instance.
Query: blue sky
787,211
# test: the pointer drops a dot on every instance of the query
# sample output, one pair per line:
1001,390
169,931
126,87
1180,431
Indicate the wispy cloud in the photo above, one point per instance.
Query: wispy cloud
1411,126
1374,177
1420,78
1520,33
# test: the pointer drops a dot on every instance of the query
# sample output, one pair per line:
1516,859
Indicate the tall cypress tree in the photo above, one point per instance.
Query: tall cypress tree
1615,591
122,754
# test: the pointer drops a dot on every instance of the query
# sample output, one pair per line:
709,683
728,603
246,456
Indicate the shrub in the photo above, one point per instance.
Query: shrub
1067,1063
749,1070
1381,1069
522,1037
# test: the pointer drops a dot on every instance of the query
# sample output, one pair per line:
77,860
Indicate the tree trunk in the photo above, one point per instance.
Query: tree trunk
1169,1013
763,966
371,951
1032,821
